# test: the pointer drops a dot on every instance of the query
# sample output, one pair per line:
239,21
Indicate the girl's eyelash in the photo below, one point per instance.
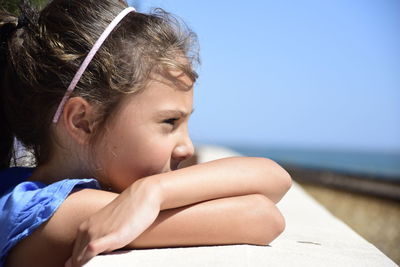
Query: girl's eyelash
171,121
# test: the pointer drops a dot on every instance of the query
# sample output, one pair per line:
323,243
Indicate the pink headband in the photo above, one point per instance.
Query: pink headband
88,58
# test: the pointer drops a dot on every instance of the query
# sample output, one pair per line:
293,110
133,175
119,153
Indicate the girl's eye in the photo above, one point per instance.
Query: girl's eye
171,121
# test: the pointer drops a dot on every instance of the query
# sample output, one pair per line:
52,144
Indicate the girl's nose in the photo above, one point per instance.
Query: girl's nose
183,150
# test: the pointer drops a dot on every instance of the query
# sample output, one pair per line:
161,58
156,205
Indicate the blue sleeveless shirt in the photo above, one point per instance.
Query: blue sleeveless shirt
25,205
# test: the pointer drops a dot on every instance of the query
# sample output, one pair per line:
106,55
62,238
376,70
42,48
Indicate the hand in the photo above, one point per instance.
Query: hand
117,224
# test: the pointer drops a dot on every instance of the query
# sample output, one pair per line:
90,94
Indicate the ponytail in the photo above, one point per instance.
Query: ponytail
8,24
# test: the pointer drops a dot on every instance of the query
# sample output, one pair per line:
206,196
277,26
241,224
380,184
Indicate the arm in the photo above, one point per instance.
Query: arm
228,177
249,219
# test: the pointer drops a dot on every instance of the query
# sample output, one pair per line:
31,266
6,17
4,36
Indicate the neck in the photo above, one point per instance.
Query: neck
59,169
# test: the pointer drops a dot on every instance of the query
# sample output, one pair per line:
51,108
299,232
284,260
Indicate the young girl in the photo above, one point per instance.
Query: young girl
102,95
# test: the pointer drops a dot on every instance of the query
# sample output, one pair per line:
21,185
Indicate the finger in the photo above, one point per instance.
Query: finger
68,263
81,241
95,247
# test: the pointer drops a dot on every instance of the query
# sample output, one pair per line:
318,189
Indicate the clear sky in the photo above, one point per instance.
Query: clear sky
314,74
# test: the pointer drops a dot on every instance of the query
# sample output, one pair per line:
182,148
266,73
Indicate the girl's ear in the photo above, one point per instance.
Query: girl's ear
78,119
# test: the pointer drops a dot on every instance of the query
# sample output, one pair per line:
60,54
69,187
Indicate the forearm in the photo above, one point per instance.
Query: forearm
226,177
249,219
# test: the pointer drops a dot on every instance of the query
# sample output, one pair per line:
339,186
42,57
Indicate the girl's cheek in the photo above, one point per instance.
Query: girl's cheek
155,157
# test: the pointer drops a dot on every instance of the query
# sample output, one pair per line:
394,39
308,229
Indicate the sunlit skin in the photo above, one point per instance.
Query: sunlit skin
147,201
149,136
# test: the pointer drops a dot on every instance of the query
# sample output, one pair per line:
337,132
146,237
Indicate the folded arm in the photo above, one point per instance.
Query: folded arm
228,201
226,177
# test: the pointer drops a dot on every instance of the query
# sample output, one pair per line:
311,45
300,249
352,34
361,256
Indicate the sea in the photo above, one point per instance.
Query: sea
371,164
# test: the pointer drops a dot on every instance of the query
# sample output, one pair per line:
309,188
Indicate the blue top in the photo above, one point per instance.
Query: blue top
25,205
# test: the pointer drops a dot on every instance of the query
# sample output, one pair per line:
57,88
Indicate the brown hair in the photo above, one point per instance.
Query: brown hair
41,51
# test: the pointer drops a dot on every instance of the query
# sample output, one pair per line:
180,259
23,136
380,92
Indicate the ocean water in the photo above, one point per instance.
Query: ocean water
379,165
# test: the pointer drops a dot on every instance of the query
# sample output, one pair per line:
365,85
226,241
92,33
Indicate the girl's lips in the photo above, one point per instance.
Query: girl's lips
174,166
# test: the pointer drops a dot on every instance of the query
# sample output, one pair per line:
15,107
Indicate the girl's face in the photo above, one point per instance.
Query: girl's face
149,135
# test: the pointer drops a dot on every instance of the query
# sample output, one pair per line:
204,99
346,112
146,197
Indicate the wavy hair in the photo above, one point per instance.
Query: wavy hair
41,51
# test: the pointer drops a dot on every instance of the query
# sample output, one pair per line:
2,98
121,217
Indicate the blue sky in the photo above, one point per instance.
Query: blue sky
310,74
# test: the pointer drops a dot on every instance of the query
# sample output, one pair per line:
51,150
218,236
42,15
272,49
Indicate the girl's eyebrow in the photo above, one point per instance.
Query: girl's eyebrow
174,113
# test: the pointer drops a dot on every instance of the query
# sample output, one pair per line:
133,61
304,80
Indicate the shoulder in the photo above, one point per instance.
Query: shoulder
58,232
28,205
